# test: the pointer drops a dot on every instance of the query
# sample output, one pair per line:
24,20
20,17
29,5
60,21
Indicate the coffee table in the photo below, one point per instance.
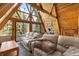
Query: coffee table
9,47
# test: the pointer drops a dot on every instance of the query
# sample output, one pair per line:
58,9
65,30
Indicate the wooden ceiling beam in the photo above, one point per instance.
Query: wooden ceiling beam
4,9
60,32
25,12
41,9
42,21
18,14
49,13
24,21
35,6
52,9
8,14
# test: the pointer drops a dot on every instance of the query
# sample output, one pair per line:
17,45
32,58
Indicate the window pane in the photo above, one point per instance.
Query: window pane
34,13
34,19
21,28
23,15
7,29
35,27
24,8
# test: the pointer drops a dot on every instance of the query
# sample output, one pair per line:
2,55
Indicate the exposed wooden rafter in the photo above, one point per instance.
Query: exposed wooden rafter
8,14
18,15
24,21
25,12
5,8
35,6
57,18
41,9
52,9
42,23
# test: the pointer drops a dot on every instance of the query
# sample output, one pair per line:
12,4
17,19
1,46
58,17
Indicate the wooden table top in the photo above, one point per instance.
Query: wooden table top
9,45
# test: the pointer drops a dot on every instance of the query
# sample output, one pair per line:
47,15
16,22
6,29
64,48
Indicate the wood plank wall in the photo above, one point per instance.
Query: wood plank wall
68,15
53,21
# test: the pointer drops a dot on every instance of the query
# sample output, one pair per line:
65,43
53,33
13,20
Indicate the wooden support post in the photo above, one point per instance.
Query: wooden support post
14,30
30,28
59,28
78,25
42,23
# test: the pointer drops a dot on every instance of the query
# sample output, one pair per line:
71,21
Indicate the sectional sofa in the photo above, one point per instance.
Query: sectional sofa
55,45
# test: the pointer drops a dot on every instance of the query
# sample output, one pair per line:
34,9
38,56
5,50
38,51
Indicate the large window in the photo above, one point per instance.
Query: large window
29,14
7,29
25,11
21,28
36,28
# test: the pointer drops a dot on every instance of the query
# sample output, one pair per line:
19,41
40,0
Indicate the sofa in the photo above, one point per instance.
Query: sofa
45,43
69,45
25,38
56,45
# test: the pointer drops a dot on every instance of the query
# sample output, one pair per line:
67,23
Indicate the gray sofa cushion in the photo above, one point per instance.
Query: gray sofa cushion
66,41
61,48
76,42
51,37
56,53
37,35
38,52
71,51
38,44
31,35
48,46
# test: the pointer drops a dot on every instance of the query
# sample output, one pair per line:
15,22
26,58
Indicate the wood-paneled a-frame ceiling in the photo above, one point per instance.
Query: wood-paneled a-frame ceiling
63,17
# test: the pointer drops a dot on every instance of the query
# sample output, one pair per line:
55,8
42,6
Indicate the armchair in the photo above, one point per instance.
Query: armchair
24,40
